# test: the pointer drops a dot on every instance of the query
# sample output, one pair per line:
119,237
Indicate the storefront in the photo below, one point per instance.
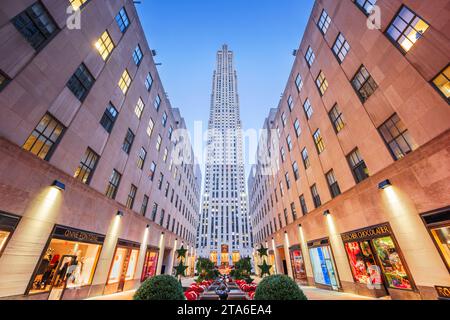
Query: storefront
438,225
67,264
8,224
298,264
123,267
376,261
150,263
324,267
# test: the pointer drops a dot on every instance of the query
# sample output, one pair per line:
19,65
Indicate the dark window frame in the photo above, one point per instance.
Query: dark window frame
128,141
368,82
108,119
123,20
88,168
81,82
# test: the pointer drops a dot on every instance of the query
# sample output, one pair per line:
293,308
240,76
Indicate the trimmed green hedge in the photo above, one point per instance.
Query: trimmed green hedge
279,287
162,287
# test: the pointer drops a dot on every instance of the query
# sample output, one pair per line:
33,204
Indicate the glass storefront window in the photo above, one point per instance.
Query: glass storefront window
323,266
362,263
116,269
298,264
4,235
441,237
66,262
132,265
150,265
124,265
391,263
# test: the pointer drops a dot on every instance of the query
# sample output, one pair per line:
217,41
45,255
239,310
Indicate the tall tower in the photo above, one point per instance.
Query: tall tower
224,233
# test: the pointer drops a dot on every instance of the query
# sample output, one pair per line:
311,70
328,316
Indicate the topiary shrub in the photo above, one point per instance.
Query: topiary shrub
279,287
162,287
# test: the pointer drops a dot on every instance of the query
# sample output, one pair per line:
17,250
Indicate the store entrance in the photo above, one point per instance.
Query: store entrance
124,265
322,261
65,269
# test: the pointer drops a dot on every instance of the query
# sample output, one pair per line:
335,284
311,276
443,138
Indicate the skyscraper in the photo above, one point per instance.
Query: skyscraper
224,233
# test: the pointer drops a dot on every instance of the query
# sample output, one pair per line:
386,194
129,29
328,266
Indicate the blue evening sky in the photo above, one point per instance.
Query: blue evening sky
187,34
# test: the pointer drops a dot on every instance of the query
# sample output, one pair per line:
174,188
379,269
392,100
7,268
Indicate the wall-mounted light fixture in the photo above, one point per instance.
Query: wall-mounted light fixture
120,213
384,184
148,226
59,185
326,213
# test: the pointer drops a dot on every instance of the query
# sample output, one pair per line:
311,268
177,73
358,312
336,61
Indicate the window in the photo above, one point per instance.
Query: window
310,56
299,82
157,103
316,196
366,5
170,133
289,142
166,192
364,84
290,102
406,29
164,119
141,158
154,211
333,184
4,80
303,204
137,55
337,119
322,83
36,25
318,140
104,45
139,109
441,82
128,142
283,154
161,219
297,128
284,119
45,137
113,185
81,82
160,181
122,20
131,197
305,158
150,127
87,167
286,219
149,82
125,82
166,155
358,166
295,169
324,22
293,211
396,137
288,182
144,205
152,171
109,118
281,189
158,143
78,4
308,109
341,48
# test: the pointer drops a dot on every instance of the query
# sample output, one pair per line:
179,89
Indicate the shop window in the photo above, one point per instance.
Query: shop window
298,264
128,141
441,83
139,109
122,20
137,55
366,5
322,83
364,84
124,264
104,45
150,264
341,48
406,29
45,137
438,224
125,81
68,261
322,261
337,119
113,185
358,166
36,25
4,80
87,166
324,22
397,138
109,118
8,223
81,82
310,56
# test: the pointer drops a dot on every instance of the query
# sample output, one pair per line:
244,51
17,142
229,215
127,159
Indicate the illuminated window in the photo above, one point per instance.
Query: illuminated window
81,82
45,137
36,25
125,81
364,84
77,4
150,127
141,158
341,48
324,22
139,109
87,167
104,45
442,82
310,56
406,29
308,109
366,5
337,118
319,141
358,166
322,83
113,184
122,20
396,137
131,197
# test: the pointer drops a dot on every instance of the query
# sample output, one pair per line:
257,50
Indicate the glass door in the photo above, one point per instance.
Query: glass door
331,268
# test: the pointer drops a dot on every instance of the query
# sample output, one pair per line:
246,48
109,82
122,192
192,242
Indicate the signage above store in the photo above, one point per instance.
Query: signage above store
443,292
70,234
368,233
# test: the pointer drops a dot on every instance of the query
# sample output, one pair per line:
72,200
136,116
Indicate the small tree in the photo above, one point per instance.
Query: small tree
163,287
242,270
205,268
279,287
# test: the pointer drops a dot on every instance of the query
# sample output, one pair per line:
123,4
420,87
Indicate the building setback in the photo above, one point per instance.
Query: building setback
91,199
224,235
360,200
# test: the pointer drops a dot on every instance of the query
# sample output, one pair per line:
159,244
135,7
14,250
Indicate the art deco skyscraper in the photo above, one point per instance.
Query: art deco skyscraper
224,233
